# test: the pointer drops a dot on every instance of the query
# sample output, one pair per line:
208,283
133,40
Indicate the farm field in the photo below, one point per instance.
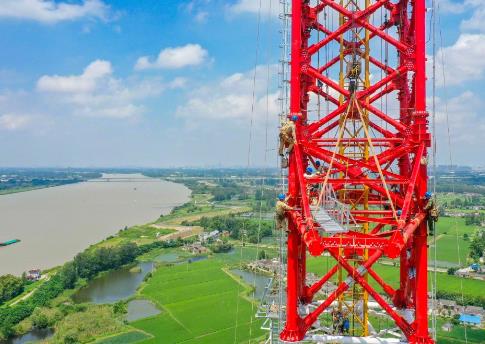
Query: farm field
200,304
457,334
445,282
128,337
450,232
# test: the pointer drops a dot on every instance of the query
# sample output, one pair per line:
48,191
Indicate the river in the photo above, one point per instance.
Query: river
54,224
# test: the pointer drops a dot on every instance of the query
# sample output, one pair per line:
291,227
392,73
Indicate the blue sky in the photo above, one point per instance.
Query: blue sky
169,83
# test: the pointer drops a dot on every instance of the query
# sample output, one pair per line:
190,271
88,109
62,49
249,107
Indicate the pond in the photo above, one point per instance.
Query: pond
32,336
121,284
167,258
114,286
258,281
139,309
176,259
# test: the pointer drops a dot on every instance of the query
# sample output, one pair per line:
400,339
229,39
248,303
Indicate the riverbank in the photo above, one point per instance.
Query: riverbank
56,223
148,235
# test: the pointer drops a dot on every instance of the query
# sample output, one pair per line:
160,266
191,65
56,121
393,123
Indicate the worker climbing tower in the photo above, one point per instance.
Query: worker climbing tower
358,90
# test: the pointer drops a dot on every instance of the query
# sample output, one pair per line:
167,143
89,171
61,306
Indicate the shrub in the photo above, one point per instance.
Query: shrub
10,287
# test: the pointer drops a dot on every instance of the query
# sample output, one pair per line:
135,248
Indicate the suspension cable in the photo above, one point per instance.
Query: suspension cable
251,123
450,156
433,124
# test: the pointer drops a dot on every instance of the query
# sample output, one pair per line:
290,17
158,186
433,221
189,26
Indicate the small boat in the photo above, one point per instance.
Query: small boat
9,242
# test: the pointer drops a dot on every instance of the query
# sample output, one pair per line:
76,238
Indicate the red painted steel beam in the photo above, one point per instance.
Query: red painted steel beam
401,139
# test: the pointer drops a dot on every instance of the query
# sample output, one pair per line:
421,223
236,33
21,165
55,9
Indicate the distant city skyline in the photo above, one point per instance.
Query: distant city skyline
104,83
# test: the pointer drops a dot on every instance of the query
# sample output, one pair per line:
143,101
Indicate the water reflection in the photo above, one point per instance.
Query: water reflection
167,258
32,336
139,309
114,286
258,281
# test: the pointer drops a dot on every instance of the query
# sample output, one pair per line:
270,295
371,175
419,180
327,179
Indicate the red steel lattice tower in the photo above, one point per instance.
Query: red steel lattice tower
365,61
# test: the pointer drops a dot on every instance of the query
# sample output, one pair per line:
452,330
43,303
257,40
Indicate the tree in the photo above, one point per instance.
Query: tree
69,275
477,245
120,307
262,254
39,318
456,319
451,271
10,286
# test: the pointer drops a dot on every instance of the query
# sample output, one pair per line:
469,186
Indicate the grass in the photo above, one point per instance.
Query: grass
124,338
457,334
200,206
202,303
143,234
390,274
451,230
87,325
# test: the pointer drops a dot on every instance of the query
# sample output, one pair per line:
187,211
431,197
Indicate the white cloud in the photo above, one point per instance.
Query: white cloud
232,98
201,17
475,22
97,93
466,126
454,7
14,122
265,7
173,58
178,82
51,12
463,61
86,82
196,9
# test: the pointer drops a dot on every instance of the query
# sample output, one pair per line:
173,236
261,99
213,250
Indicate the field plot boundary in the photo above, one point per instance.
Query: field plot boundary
210,296
109,339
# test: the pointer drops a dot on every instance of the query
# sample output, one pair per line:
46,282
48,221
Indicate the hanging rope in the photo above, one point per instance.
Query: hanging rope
339,138
433,124
378,165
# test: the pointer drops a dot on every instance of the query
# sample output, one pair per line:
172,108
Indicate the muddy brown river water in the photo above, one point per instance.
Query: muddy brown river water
54,224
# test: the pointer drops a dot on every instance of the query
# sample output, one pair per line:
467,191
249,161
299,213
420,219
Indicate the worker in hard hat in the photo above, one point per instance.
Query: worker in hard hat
337,321
354,69
281,208
432,211
312,188
345,325
287,139
319,167
308,172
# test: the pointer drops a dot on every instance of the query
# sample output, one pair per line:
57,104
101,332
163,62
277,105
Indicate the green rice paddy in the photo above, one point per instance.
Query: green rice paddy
201,304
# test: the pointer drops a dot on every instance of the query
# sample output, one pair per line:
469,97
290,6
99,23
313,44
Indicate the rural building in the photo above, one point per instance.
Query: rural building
265,265
470,319
196,248
447,327
34,275
446,307
474,310
209,236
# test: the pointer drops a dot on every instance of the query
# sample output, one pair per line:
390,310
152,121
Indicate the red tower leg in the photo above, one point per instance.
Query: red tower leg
374,157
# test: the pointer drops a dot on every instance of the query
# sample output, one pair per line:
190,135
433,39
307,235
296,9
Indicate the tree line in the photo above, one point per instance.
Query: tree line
239,228
10,287
85,265
477,245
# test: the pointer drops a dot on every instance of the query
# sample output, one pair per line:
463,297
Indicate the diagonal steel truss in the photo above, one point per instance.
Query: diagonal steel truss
375,160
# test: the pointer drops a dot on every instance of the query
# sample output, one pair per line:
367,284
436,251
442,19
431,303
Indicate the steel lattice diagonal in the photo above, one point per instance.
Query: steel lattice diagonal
358,92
